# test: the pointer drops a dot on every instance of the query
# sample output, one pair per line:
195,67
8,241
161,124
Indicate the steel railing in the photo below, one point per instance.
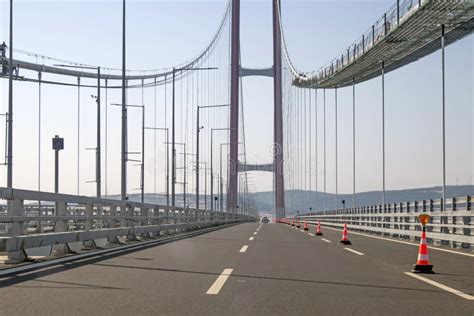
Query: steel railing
396,15
33,219
453,226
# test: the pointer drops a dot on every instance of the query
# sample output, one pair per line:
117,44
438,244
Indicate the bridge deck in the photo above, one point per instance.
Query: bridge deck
417,35
283,271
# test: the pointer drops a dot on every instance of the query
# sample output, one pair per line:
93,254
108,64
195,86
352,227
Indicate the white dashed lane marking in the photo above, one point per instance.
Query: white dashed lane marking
244,249
219,282
354,251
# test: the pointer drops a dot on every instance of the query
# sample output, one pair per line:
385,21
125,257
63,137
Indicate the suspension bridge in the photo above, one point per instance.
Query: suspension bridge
173,227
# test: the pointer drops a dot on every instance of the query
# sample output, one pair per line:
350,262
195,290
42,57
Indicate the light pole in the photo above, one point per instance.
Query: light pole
174,172
98,178
185,179
190,154
124,157
173,130
221,193
212,160
205,182
167,160
142,164
10,105
198,128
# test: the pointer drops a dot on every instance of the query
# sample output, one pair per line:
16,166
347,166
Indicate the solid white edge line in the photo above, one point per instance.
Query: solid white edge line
441,286
251,238
354,251
219,282
325,240
243,249
405,242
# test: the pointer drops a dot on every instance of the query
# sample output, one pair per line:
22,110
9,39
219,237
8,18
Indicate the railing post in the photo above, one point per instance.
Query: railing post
89,244
130,211
88,221
16,207
59,227
398,12
467,222
156,219
144,213
112,223
123,215
164,220
373,35
113,213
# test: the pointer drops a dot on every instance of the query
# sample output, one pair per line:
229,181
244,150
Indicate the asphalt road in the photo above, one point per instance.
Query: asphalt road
282,271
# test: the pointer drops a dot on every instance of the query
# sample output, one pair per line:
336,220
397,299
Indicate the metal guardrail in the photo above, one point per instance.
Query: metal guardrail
33,219
453,226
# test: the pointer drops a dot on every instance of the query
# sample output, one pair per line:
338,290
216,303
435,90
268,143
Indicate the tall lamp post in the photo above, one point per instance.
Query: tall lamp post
142,163
10,105
221,193
198,129
167,160
185,179
174,182
98,178
173,129
212,162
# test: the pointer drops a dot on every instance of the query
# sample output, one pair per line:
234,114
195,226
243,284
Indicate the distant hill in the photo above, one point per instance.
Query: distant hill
307,199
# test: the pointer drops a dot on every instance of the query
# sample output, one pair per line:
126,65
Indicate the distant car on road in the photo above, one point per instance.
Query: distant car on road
265,219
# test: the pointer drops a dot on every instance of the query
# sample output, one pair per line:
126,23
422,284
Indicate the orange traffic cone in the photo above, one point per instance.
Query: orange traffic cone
298,223
305,225
293,223
423,262
344,239
318,230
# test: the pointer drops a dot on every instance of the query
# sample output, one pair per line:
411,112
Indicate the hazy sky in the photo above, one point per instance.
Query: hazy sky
166,33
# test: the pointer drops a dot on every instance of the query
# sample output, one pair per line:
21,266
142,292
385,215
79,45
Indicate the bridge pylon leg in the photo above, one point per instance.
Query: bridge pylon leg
278,115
